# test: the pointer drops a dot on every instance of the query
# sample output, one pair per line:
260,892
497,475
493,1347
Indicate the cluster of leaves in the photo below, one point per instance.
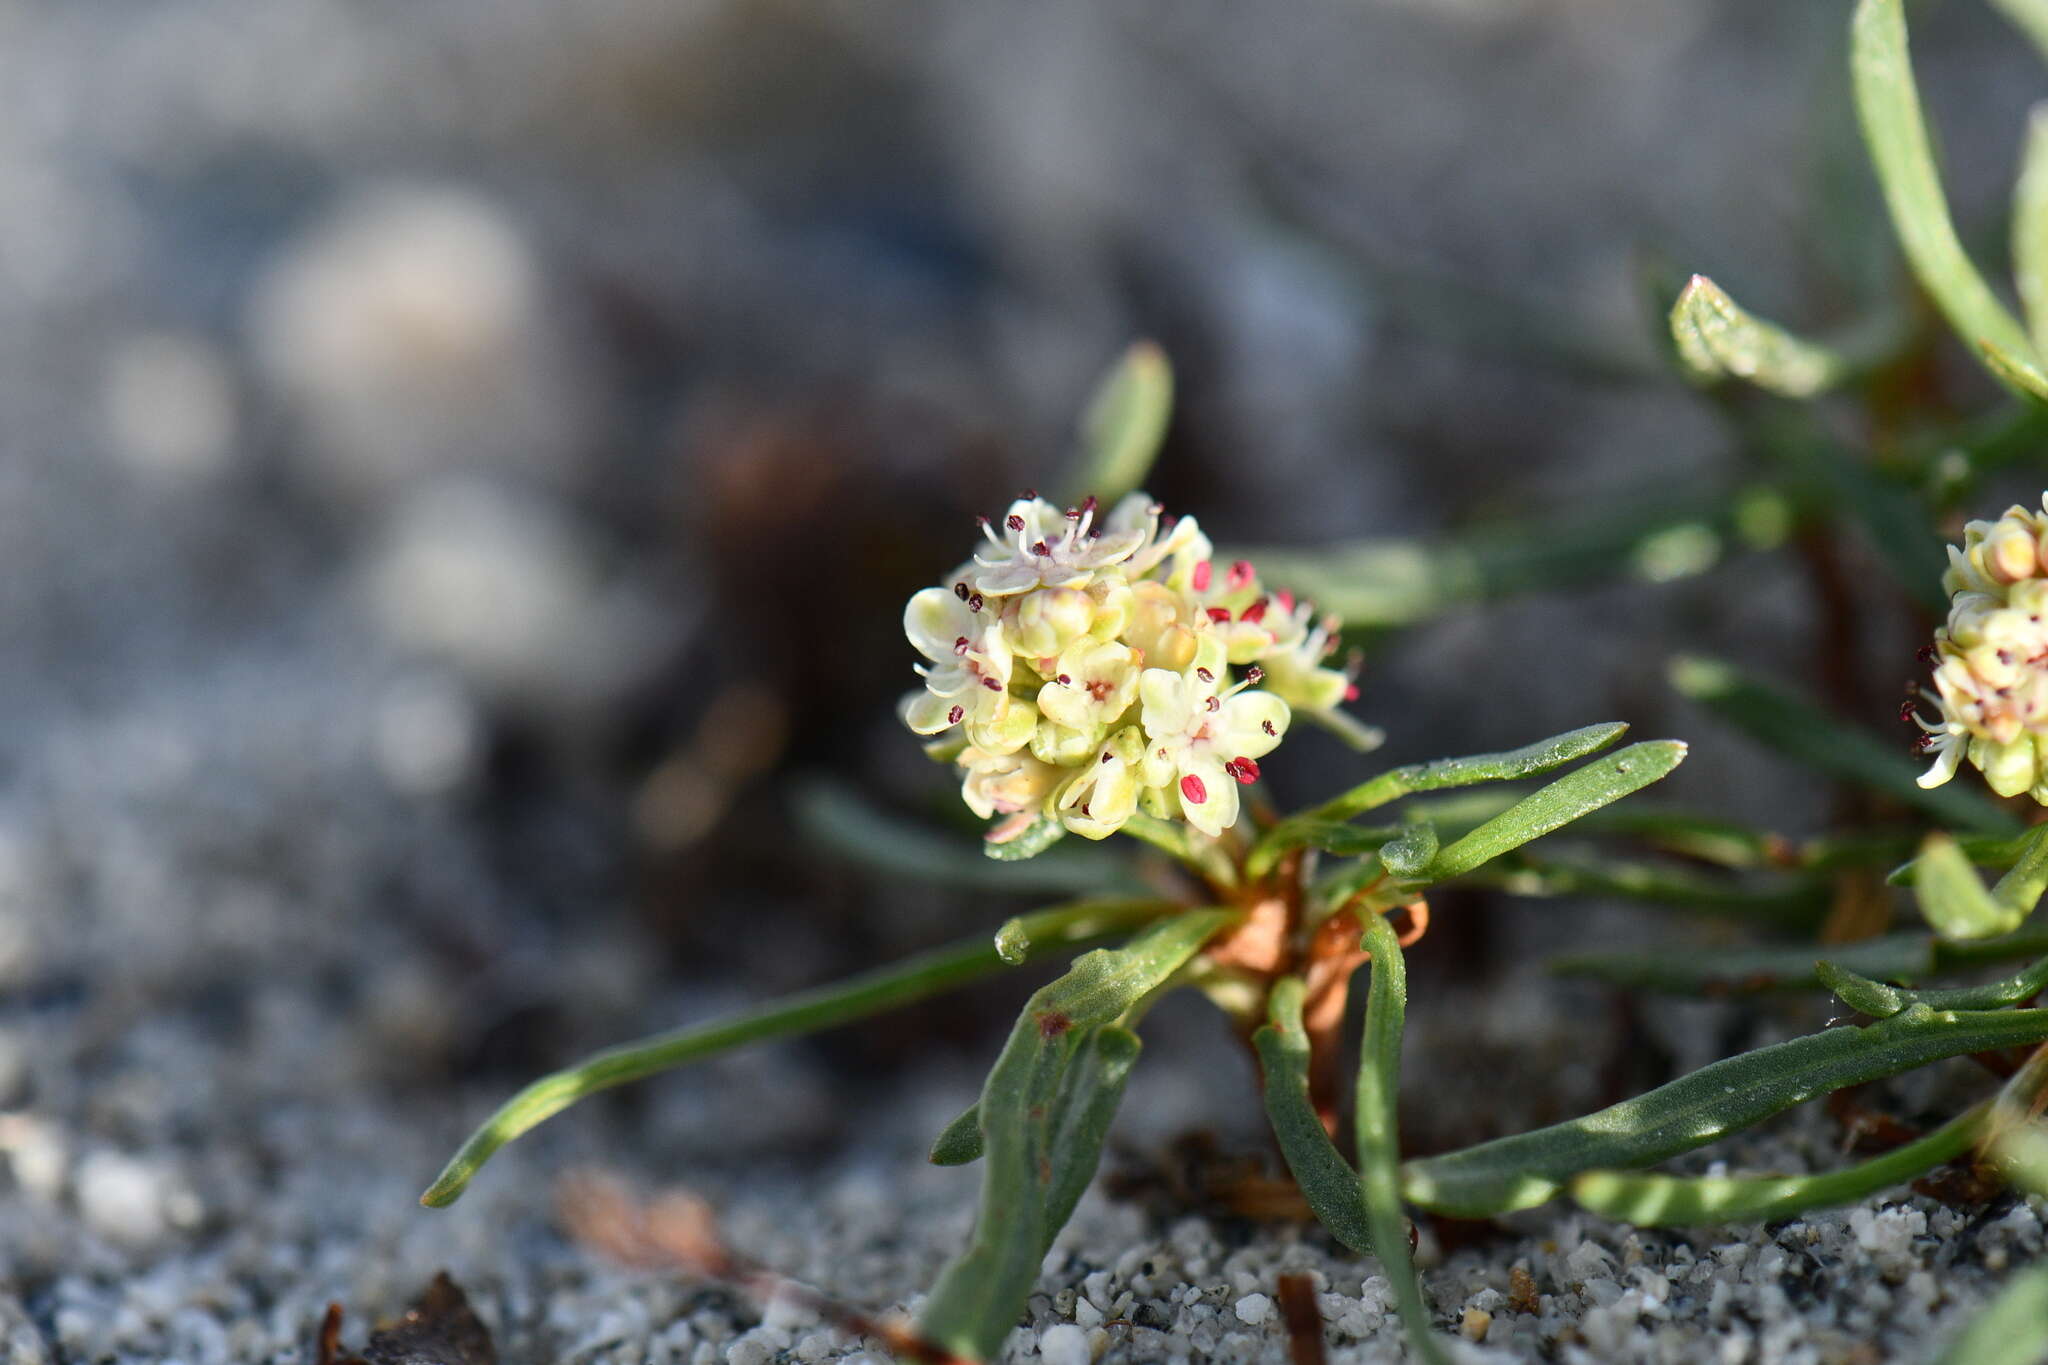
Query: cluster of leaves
1344,871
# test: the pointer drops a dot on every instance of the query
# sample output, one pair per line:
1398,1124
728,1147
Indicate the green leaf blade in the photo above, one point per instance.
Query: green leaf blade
959,1142
1043,1113
1894,130
1326,1180
1708,1104
1717,339
807,1012
2013,1330
1952,897
2030,219
1124,426
1663,1201
1378,1126
1578,793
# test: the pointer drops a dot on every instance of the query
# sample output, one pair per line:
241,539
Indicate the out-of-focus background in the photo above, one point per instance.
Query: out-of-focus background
462,464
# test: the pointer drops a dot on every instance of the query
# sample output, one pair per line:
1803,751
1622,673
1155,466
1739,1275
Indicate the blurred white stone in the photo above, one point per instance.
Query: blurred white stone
36,1155
168,403
428,735
125,1199
503,587
410,332
489,580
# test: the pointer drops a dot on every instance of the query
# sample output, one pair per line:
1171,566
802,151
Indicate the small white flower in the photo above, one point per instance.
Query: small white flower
1040,546
1203,737
1004,784
1103,794
1084,670
1095,682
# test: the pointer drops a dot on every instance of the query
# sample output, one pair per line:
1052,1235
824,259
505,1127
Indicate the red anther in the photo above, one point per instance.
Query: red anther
1040,548
1255,675
1907,708
1073,514
1243,769
1205,675
1219,613
1030,493
1064,681
1086,814
1923,744
1192,791
1254,613
954,716
1088,504
1351,692
1925,654
1241,573
974,601
960,590
1214,703
1285,599
960,644
1267,726
980,520
991,684
1201,576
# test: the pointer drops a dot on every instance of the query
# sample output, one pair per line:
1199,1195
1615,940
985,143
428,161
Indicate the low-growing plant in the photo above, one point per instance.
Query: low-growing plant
1097,671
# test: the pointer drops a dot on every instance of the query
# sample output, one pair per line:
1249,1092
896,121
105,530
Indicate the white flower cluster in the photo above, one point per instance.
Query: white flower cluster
1079,667
1991,659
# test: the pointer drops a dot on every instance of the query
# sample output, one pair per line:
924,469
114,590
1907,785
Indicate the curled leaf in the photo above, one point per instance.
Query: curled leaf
1718,339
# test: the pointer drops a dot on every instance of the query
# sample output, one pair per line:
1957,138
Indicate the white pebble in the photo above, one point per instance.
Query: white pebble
1254,1309
1063,1344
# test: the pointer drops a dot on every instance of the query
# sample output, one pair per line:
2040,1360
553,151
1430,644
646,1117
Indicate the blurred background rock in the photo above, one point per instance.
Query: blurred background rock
463,461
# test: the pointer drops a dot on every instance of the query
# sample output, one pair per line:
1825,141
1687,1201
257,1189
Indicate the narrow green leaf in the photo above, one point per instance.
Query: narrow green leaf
1717,339
1331,836
1043,1112
2029,17
1124,425
807,1012
1952,897
1408,857
1325,1177
1799,902
2015,371
1726,971
1038,836
851,825
1804,733
1092,1094
1526,761
2012,1330
1378,1125
2030,218
2022,887
1656,538
1396,783
1585,789
1662,1201
1724,843
1888,105
959,1142
1708,1104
